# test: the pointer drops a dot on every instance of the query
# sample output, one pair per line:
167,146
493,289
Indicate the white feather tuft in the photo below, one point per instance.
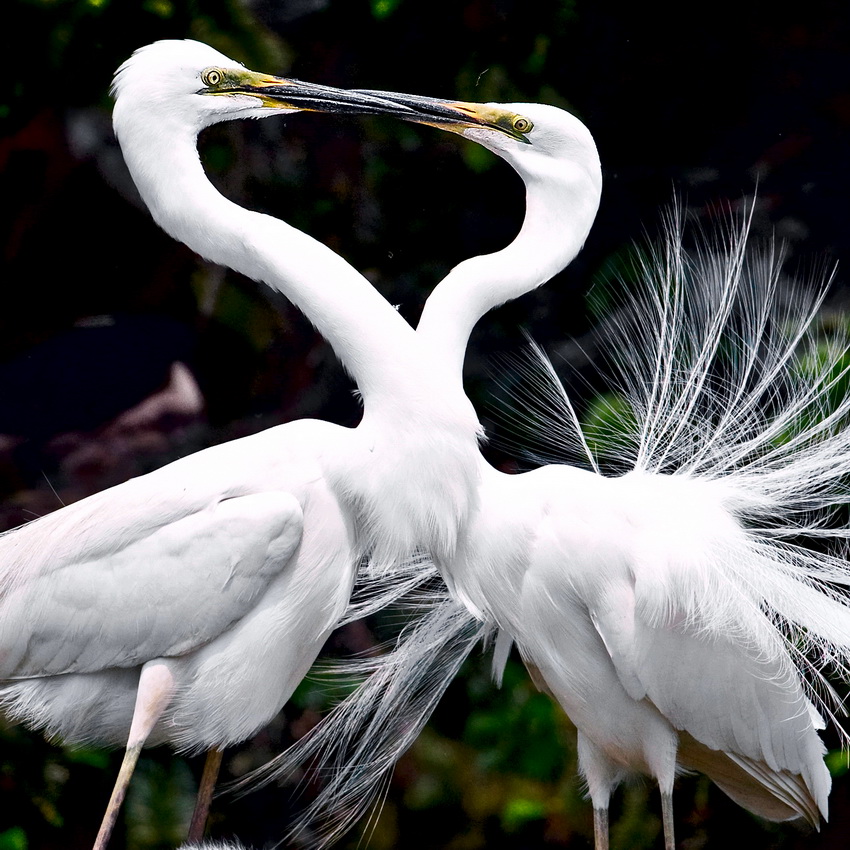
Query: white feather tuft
726,399
357,745
727,380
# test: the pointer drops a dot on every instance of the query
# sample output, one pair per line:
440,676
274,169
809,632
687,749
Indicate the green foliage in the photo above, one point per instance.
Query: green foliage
608,422
81,42
93,758
827,361
619,270
478,159
161,8
828,358
838,762
531,718
13,839
638,826
520,811
159,804
384,8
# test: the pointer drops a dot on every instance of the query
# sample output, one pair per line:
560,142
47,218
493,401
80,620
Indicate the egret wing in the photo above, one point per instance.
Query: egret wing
736,692
111,592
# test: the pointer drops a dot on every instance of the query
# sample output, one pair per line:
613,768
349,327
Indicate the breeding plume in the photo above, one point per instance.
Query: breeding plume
670,607
184,606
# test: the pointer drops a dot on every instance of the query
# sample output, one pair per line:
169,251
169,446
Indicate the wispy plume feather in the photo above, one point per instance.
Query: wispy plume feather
724,376
357,745
725,382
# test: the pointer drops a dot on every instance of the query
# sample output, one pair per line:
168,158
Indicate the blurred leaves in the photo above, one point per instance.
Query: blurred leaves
159,804
13,839
609,424
837,762
82,42
384,8
530,715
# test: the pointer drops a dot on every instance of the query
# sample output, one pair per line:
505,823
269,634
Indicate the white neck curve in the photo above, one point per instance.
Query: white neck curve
418,436
560,209
374,343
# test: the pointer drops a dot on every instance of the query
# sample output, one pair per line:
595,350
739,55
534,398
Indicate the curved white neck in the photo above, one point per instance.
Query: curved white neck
558,217
373,342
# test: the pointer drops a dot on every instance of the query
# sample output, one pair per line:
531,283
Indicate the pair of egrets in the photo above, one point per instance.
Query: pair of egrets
186,605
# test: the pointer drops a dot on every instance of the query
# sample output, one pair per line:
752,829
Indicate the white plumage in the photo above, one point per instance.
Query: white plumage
675,611
185,606
165,564
615,589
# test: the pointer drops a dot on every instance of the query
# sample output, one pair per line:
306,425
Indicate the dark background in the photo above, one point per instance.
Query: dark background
712,101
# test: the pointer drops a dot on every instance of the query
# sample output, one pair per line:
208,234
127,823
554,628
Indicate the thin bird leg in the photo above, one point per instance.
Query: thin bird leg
156,687
205,792
667,820
602,776
600,829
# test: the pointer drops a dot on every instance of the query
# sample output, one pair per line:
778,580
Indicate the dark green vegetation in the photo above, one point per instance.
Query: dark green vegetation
708,101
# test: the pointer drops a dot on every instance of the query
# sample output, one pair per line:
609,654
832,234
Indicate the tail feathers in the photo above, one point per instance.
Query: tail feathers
776,795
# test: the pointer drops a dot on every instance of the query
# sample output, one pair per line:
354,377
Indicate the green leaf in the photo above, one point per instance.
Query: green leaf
384,8
13,839
478,159
161,8
609,422
520,811
92,758
159,804
837,763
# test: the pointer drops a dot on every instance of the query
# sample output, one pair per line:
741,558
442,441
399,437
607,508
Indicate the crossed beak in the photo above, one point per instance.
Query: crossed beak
456,116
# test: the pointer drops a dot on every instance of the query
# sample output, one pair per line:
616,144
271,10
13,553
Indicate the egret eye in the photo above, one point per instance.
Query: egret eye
522,125
211,77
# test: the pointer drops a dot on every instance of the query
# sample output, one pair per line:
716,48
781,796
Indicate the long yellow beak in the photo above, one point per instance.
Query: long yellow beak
284,93
457,115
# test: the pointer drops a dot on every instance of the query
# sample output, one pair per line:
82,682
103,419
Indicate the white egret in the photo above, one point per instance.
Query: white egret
669,610
184,606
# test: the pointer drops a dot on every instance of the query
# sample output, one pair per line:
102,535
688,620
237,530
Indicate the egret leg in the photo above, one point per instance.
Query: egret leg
205,792
667,820
156,687
602,777
600,829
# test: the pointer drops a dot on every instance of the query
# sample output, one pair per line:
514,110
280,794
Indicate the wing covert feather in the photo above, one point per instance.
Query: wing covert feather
169,588
724,691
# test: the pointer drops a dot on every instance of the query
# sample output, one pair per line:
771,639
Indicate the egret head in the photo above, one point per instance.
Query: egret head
187,85
537,139
545,131
191,84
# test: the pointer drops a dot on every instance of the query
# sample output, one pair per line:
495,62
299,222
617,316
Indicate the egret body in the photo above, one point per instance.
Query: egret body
663,609
618,591
184,606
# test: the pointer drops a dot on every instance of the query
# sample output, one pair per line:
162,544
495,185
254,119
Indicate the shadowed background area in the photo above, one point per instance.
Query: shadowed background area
120,350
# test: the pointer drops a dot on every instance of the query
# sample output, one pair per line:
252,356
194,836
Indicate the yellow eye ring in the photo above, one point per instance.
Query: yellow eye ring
522,125
211,77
